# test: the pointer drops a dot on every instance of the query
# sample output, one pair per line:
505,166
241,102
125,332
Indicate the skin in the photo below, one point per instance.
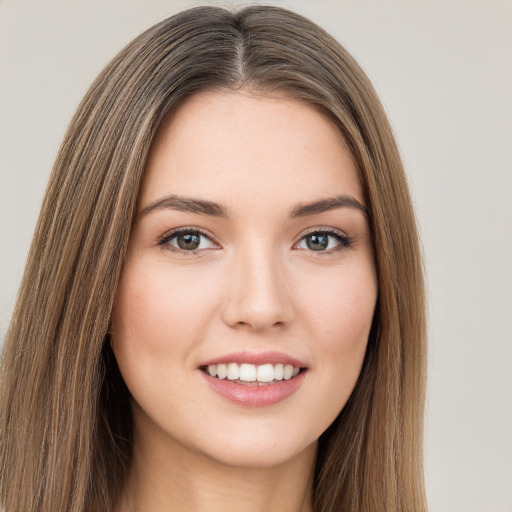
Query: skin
253,285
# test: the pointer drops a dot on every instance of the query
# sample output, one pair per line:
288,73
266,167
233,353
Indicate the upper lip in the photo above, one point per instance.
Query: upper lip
256,358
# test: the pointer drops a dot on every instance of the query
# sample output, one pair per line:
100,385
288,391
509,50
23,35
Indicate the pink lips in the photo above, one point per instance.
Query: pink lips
255,358
255,395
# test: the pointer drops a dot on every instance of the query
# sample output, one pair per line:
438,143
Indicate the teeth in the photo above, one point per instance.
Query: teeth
233,371
251,373
247,372
265,373
222,371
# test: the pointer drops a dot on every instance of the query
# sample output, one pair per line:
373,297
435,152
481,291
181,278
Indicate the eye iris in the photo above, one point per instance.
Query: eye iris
188,241
317,242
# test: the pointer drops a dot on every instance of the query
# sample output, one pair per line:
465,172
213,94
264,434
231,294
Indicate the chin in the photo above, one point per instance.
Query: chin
251,455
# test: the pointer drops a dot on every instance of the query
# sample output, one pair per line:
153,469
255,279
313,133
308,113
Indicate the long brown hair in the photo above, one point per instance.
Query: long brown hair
65,421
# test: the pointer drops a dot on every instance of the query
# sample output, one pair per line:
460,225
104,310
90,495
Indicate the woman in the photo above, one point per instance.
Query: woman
223,302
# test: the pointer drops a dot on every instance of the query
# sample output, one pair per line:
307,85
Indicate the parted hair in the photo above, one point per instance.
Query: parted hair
65,419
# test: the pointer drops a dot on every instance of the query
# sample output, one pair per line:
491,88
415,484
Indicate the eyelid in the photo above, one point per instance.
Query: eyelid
344,240
169,235
323,229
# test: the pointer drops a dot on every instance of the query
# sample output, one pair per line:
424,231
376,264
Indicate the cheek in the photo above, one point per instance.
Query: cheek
158,315
340,315
340,309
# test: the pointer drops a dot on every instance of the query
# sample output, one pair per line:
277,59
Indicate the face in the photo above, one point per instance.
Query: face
244,309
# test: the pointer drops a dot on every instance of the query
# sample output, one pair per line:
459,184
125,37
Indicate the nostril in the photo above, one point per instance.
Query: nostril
257,300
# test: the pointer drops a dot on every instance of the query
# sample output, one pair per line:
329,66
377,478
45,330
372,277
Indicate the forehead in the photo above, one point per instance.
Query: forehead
222,145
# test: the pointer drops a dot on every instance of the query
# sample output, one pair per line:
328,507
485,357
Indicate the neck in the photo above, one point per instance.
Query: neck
177,479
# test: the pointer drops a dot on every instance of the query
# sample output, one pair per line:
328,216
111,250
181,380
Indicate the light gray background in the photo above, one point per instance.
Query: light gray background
443,70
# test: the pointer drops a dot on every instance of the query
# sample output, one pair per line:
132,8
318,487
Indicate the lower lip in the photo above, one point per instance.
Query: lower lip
254,395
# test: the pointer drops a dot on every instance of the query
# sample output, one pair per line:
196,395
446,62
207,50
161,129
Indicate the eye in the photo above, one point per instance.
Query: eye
324,241
187,240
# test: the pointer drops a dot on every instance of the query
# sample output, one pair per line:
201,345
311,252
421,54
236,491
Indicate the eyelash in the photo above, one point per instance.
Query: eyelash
344,241
164,241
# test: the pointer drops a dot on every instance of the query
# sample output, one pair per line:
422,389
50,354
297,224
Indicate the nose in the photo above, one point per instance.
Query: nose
258,293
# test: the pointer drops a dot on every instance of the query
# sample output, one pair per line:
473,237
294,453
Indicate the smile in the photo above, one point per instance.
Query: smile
251,379
251,374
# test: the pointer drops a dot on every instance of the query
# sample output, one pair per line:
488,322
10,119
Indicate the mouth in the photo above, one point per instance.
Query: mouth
254,379
248,374
251,379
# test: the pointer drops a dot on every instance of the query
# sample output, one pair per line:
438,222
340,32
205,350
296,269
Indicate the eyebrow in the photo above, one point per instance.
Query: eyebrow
203,207
186,204
324,205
